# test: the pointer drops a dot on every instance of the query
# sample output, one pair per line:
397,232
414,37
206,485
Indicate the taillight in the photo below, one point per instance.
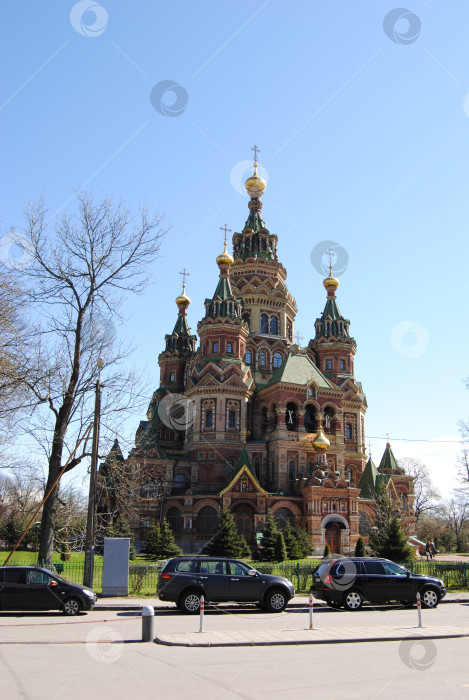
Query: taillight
166,576
328,581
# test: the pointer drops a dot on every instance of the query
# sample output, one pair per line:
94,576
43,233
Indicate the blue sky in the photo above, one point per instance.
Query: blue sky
362,118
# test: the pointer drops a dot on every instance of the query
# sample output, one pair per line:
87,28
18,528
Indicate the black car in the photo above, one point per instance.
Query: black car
33,588
350,581
183,580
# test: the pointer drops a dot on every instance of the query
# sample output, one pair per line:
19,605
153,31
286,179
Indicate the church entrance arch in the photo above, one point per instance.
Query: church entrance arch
244,519
332,525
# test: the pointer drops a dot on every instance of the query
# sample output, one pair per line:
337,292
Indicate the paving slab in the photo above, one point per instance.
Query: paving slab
337,635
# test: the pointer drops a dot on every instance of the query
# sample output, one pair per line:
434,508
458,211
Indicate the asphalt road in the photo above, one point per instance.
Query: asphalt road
49,656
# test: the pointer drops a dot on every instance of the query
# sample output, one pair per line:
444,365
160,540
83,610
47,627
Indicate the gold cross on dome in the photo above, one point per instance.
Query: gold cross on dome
298,337
226,230
184,275
256,151
331,254
244,434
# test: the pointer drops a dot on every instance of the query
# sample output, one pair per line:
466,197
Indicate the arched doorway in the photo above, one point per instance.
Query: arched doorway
332,535
244,520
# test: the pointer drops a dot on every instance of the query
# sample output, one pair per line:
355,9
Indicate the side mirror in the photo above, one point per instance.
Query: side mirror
252,572
53,583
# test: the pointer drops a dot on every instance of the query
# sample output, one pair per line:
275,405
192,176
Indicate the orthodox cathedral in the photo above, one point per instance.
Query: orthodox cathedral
250,421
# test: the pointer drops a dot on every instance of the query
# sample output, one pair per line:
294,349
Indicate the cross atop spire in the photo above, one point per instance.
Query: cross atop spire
244,434
331,254
226,230
184,275
256,151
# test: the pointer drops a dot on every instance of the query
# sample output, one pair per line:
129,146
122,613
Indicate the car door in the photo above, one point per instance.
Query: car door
400,585
42,591
13,589
244,587
374,582
215,579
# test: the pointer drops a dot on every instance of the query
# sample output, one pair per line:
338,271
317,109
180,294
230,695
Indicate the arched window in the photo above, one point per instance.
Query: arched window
262,359
264,323
175,520
328,364
180,482
283,516
342,364
273,325
229,347
207,521
248,357
310,419
348,431
291,416
278,359
291,470
289,330
209,419
215,347
231,419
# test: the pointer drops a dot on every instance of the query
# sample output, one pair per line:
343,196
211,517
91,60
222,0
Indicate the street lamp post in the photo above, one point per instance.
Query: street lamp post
89,541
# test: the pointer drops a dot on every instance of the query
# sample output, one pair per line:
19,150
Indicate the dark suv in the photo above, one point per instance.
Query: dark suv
183,580
351,581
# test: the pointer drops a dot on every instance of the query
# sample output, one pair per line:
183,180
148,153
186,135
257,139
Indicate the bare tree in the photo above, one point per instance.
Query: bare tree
82,267
456,514
426,495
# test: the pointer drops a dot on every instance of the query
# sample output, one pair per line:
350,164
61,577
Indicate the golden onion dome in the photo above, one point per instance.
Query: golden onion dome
255,185
321,443
225,258
331,281
183,299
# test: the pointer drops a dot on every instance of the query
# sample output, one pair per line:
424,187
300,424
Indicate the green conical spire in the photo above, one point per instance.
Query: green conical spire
367,482
388,461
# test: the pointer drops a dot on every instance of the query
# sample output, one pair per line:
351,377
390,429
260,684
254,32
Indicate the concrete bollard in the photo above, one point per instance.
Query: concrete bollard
311,626
202,607
148,617
419,610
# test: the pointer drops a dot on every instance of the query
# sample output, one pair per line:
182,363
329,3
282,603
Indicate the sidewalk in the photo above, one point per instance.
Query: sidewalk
299,601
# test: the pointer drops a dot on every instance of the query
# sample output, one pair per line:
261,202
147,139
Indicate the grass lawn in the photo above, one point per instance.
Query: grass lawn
26,557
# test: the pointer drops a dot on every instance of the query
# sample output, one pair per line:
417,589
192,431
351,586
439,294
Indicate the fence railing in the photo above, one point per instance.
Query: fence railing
143,575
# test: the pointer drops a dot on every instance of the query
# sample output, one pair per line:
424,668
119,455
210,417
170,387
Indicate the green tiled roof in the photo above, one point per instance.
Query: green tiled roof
388,461
298,369
244,461
367,482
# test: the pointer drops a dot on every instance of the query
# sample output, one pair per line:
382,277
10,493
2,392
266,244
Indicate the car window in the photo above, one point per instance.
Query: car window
213,567
348,567
15,575
38,577
374,567
394,569
238,569
189,566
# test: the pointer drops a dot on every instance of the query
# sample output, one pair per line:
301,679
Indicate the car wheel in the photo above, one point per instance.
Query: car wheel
353,600
189,602
71,606
430,598
275,601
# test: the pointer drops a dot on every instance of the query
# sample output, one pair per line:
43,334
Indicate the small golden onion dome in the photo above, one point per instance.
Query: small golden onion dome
255,185
183,299
321,443
225,258
331,281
